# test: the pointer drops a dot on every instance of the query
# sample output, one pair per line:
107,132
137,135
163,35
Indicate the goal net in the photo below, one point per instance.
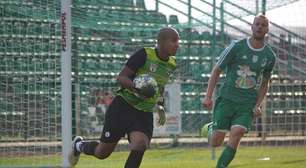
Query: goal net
30,114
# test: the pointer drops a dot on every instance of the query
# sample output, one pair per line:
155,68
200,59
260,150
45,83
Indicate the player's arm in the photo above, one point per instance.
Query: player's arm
212,82
226,58
125,78
264,87
127,74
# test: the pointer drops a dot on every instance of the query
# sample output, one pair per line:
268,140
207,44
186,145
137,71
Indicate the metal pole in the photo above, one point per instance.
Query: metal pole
222,22
213,54
263,123
263,7
66,80
257,7
189,14
213,42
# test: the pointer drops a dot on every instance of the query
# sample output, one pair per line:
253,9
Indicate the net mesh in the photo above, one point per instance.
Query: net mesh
104,34
29,80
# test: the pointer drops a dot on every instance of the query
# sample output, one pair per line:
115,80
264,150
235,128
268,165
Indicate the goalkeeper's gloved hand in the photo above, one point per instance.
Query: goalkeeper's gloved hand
161,120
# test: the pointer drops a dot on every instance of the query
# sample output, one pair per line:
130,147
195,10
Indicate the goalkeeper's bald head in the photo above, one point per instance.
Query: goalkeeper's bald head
167,33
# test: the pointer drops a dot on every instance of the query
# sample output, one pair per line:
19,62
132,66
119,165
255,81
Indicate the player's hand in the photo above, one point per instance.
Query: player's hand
141,93
161,120
138,93
144,92
257,111
207,103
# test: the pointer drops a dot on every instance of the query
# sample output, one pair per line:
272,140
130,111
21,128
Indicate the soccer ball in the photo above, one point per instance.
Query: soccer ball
146,85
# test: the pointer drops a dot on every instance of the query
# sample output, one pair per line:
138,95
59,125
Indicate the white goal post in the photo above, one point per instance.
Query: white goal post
66,88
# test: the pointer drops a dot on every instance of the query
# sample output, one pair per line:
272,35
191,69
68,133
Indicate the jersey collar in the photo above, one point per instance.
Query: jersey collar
252,48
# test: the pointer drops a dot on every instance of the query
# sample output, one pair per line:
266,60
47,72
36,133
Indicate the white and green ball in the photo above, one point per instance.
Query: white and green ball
146,83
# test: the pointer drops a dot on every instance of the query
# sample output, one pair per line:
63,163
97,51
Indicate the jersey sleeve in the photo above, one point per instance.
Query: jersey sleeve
137,60
226,56
267,72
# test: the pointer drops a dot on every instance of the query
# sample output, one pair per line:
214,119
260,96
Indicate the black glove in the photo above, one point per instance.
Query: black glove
147,91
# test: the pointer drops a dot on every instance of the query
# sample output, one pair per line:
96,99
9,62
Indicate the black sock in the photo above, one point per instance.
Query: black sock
88,147
134,159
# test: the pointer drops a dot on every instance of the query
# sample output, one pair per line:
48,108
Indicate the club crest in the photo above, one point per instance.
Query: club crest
153,67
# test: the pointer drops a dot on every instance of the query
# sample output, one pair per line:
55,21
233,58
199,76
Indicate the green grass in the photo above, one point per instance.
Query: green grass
250,157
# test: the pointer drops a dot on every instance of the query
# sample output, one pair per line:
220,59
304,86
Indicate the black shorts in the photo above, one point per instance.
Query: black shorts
121,118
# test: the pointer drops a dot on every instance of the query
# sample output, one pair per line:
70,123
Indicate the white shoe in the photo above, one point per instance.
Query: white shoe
74,154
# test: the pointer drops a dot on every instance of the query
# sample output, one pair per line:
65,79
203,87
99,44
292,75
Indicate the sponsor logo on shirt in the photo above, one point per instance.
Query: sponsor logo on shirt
246,77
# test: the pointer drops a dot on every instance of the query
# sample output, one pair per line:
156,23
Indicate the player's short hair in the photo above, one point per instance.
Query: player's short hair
261,16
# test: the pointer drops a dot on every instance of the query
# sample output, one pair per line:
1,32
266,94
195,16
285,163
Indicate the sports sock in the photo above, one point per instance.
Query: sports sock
88,147
226,157
134,159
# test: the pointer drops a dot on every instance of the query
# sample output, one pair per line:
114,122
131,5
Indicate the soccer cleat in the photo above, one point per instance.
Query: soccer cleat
209,132
74,154
206,130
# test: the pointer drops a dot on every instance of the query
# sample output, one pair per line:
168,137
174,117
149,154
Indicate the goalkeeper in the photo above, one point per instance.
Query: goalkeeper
131,110
245,62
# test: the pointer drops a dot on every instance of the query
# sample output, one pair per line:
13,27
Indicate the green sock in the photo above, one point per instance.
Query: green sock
226,157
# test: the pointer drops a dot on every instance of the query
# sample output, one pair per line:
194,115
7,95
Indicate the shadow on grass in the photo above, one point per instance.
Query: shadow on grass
294,161
241,165
284,162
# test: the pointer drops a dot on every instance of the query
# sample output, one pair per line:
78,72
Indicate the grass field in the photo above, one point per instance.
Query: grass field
247,157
